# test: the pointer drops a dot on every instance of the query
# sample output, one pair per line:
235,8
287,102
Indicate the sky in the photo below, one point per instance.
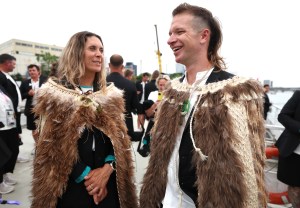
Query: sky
261,38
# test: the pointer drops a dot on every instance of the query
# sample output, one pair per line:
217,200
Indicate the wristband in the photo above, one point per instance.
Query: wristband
83,174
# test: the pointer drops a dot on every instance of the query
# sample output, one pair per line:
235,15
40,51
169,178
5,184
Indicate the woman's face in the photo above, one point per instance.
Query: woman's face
93,55
161,84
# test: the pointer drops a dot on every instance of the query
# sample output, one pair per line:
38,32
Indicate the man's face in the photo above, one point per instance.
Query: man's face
10,66
267,88
33,73
145,78
184,40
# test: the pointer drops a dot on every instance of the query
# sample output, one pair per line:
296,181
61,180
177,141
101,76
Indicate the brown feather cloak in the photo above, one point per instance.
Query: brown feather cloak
64,113
228,127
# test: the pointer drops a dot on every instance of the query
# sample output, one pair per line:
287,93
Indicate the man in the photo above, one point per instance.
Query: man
8,64
289,148
267,103
140,87
207,147
28,88
130,94
9,132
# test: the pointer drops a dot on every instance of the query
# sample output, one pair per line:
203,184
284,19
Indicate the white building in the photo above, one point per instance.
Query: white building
25,52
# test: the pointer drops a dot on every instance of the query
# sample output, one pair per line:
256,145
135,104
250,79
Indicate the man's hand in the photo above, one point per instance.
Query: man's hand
31,92
141,120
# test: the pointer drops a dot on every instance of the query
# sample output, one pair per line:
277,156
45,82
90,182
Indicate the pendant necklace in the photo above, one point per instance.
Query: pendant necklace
186,105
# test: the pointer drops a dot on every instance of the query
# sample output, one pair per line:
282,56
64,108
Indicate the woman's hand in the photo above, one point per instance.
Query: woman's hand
100,196
96,180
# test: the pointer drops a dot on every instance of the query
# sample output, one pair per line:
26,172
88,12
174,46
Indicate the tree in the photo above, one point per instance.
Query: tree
46,60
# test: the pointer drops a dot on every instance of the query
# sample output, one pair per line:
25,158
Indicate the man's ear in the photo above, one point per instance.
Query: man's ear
205,35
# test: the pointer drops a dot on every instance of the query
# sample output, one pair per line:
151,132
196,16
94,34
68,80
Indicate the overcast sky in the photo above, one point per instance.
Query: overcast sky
260,37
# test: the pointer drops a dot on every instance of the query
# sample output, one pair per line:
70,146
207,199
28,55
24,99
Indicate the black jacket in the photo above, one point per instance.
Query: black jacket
289,117
10,89
130,95
24,89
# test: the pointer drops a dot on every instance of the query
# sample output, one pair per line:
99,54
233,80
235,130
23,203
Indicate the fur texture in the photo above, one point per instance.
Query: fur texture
64,113
228,127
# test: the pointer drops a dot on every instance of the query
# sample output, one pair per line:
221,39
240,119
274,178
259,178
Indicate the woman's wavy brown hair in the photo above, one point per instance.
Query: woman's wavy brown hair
71,63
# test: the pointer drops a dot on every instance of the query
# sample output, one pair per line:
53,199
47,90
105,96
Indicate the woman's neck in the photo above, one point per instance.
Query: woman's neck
87,80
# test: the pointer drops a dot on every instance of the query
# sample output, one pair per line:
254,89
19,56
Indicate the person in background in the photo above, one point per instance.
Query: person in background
160,83
150,107
28,89
130,95
9,142
151,86
288,145
267,103
82,155
140,87
11,89
128,74
207,145
8,64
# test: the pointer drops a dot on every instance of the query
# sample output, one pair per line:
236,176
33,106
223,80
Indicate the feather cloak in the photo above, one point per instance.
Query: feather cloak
64,113
228,127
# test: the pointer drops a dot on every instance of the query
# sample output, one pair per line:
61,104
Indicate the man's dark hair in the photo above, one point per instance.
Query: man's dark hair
33,65
146,74
116,60
6,57
266,85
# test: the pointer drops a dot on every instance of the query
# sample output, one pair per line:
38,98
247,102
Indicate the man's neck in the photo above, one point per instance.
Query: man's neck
116,71
35,79
3,70
191,72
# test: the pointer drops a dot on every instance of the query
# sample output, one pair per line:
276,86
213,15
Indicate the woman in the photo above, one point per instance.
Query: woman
157,95
83,156
289,148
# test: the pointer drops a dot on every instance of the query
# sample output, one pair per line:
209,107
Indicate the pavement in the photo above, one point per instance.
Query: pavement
23,171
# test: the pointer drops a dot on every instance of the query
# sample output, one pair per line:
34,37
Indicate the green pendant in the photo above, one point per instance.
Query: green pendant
185,107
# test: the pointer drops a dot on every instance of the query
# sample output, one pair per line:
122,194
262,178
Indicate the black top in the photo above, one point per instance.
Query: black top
130,95
289,117
150,87
267,105
24,89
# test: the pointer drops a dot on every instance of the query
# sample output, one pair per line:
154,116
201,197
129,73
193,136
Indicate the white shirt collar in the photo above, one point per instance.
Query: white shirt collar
200,75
